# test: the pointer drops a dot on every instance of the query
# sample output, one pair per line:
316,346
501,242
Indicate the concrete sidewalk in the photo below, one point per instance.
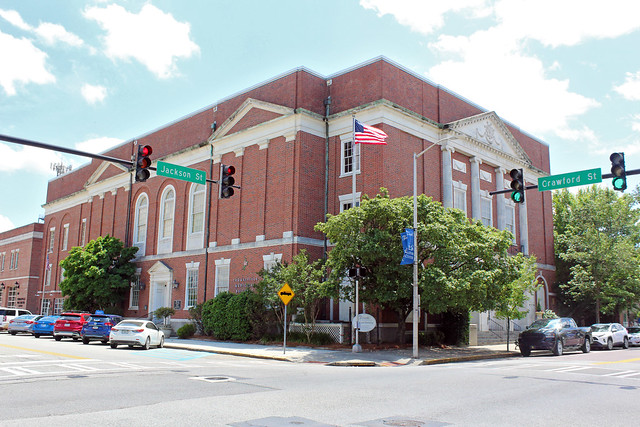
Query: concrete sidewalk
395,357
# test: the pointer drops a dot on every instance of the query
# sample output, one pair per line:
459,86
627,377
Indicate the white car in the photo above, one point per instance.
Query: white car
6,314
609,335
634,335
136,333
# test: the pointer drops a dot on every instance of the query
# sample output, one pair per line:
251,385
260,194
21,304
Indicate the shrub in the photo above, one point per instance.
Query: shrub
431,338
163,313
214,316
195,313
186,331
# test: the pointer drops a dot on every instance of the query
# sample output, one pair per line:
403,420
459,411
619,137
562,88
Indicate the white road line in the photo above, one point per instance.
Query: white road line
619,374
569,369
78,367
629,375
20,371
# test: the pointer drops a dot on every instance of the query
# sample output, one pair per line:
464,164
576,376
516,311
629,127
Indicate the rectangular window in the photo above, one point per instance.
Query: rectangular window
61,274
222,278
192,288
13,263
65,237
134,297
45,307
11,298
197,215
350,157
487,214
2,257
460,199
52,235
57,309
346,201
510,212
83,231
47,275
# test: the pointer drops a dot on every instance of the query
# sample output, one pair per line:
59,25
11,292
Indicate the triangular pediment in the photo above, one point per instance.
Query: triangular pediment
251,113
104,171
488,130
160,268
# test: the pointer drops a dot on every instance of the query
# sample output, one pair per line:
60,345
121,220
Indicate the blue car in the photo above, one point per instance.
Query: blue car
44,326
98,327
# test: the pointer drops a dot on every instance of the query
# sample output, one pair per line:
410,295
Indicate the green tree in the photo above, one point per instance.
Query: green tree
464,265
596,237
98,276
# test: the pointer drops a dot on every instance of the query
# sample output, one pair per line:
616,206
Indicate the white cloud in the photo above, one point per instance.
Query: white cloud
152,37
27,63
5,224
98,145
630,89
93,94
27,159
14,18
52,33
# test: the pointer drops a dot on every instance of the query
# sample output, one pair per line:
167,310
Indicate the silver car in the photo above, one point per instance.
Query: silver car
609,335
23,323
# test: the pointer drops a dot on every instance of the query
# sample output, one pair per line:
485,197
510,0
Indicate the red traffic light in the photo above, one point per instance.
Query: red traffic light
145,150
228,170
143,162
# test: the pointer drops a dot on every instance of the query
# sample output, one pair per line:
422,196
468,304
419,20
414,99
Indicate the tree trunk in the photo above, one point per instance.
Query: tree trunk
598,310
402,327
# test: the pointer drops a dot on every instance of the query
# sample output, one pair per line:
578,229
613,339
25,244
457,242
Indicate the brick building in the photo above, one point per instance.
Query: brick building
290,141
21,267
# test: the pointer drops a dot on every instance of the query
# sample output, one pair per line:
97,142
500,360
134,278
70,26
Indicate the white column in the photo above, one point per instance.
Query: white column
476,208
502,217
447,180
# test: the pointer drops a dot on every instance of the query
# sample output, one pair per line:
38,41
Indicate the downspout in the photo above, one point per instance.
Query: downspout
327,105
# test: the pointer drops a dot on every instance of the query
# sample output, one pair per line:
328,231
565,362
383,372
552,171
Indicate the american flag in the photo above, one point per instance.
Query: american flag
364,134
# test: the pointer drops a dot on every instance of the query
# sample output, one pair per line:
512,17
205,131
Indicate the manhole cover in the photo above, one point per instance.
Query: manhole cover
214,379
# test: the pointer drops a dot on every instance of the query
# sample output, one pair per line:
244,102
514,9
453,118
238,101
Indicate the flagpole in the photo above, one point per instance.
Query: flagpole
356,347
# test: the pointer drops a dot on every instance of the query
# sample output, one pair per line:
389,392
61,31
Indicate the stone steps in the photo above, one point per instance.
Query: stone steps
496,337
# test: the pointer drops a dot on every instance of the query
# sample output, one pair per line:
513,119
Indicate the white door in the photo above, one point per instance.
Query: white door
159,296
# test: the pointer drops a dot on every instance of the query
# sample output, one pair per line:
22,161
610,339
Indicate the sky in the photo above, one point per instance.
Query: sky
89,75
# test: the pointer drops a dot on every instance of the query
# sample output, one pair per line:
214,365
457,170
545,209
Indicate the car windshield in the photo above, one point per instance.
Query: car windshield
70,317
633,330
545,323
131,323
600,328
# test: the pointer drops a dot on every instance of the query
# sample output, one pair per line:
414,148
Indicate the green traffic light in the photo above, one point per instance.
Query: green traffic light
517,196
618,183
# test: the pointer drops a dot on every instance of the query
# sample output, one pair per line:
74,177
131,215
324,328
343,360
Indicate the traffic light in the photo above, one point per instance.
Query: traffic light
618,170
226,181
517,184
143,162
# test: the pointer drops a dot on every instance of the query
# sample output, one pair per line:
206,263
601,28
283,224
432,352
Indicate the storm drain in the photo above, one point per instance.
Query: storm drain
214,379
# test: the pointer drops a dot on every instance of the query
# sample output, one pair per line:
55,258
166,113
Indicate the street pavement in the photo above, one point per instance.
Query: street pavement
345,357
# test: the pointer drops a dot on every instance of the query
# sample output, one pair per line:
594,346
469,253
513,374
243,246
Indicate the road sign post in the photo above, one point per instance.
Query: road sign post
181,172
286,294
572,179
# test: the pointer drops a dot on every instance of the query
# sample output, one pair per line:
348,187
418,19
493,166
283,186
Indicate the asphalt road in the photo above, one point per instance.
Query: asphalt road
48,383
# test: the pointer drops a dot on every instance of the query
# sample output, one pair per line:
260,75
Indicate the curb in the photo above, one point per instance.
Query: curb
468,358
228,353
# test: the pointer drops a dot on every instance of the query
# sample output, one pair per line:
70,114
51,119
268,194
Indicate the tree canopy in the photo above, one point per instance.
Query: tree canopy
464,265
596,237
97,276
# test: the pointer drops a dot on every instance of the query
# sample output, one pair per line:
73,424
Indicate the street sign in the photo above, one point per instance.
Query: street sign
571,179
181,172
286,293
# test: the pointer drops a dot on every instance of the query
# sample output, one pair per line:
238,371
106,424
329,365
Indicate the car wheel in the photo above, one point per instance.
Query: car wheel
85,340
161,342
609,344
525,350
130,346
147,343
75,339
558,347
57,338
12,332
586,346
114,345
625,343
36,335
104,341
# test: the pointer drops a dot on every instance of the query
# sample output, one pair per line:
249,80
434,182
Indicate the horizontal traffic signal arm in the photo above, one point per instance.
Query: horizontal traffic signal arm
532,187
50,147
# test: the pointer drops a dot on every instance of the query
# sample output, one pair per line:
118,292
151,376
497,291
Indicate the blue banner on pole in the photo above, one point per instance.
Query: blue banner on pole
407,246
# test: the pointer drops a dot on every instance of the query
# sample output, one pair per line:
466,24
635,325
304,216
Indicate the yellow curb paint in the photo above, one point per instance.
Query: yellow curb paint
43,352
617,361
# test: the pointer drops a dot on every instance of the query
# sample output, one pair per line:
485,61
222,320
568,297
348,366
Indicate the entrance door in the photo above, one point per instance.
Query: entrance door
159,296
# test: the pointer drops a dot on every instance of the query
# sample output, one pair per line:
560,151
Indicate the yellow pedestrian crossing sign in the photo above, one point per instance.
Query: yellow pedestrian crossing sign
286,293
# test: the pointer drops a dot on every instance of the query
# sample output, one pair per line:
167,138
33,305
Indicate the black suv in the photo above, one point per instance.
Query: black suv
98,327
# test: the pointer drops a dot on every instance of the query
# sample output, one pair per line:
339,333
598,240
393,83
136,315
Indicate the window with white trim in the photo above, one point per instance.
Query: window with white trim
191,297
2,257
83,231
510,214
486,205
52,235
134,293
222,275
195,234
45,307
350,157
271,260
346,201
460,196
13,263
11,297
140,224
58,306
165,229
65,236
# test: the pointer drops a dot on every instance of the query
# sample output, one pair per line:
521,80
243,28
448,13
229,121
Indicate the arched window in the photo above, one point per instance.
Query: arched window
165,227
140,224
195,233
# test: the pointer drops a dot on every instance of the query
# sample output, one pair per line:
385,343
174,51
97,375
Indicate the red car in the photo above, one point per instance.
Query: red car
70,325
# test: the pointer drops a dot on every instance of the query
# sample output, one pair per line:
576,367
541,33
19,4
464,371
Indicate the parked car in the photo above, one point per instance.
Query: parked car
6,314
634,335
70,325
22,323
136,333
44,326
555,335
609,335
98,327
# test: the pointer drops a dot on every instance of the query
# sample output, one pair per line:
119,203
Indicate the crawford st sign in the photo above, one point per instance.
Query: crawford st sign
572,179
